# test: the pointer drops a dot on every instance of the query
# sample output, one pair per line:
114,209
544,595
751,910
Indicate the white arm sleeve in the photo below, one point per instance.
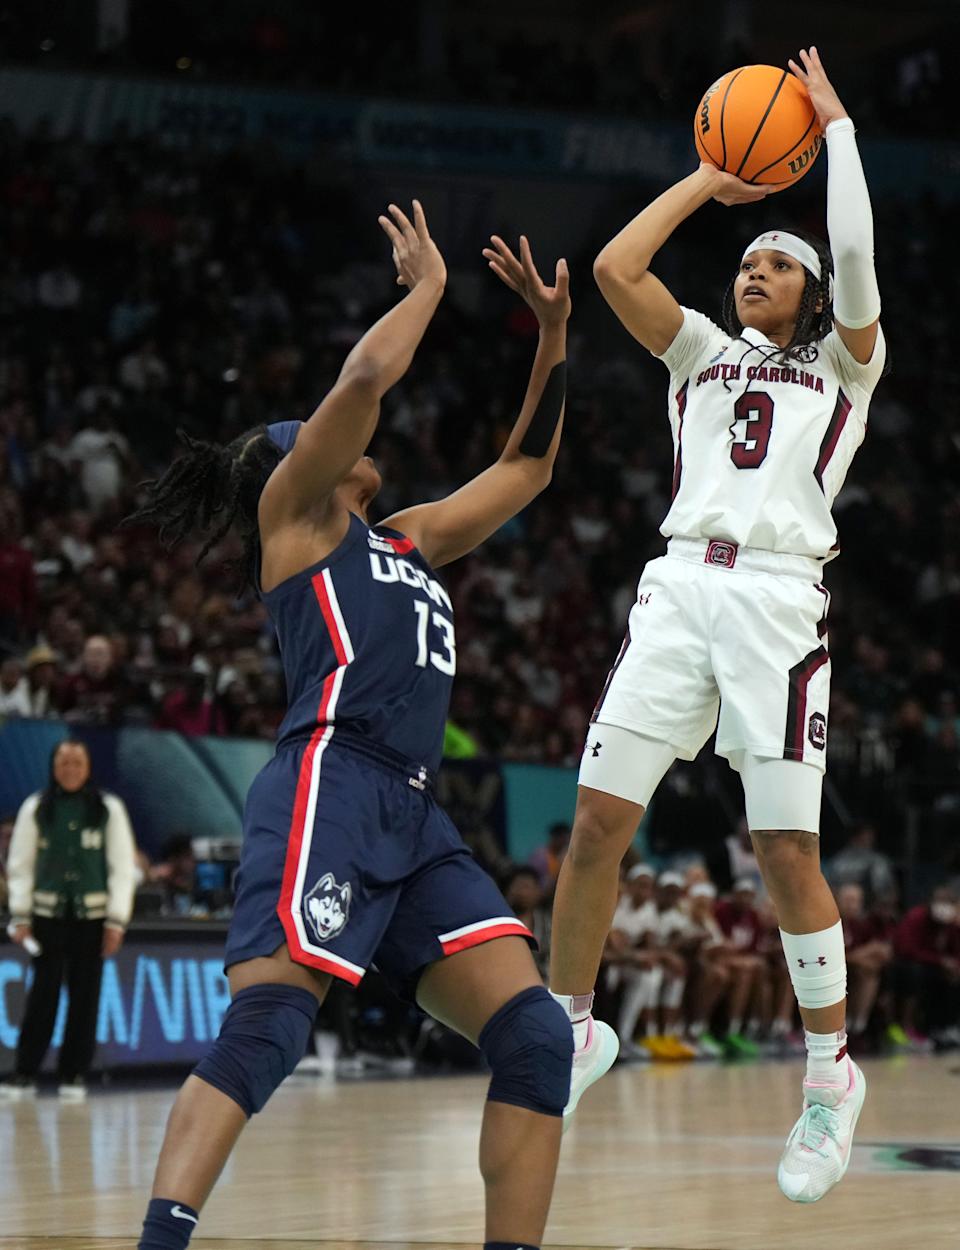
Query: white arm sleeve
121,862
21,860
856,297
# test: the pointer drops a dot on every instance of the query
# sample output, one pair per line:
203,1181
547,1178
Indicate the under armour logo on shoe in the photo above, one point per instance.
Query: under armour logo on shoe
179,1214
595,748
807,963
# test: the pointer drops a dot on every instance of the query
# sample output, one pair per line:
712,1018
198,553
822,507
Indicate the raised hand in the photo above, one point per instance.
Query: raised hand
551,304
822,95
415,254
728,189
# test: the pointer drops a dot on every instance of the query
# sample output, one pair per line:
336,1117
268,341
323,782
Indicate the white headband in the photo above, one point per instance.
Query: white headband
790,245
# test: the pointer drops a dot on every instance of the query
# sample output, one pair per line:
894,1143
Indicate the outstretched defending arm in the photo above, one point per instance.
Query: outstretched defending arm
451,527
856,296
335,437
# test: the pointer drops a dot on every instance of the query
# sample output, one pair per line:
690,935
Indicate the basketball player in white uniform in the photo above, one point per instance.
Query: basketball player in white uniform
767,413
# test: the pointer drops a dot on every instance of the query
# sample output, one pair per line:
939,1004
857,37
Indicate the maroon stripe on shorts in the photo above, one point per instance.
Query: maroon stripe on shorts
822,623
610,676
800,677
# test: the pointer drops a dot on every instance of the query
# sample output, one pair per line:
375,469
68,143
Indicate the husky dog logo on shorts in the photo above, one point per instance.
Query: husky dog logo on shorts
817,730
328,907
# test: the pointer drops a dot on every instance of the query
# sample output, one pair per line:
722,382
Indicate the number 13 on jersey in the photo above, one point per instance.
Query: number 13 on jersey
445,661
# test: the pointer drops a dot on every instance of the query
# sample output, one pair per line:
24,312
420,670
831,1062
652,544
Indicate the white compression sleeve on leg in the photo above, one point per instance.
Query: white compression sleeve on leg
856,296
817,963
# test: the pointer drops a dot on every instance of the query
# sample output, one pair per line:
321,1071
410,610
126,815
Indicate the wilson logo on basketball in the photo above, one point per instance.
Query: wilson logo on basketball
705,107
805,157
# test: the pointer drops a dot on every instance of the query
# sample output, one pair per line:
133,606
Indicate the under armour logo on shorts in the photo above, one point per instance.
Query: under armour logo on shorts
595,748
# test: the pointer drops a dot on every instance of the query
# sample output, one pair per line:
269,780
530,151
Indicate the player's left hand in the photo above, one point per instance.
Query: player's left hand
819,88
112,941
551,304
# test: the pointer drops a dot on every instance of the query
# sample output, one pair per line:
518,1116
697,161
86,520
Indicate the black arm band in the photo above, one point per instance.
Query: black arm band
543,424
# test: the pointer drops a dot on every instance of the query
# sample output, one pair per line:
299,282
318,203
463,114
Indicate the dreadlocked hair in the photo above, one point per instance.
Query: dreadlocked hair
811,325
210,489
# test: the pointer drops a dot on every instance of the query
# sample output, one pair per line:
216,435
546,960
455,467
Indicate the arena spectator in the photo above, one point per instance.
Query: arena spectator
546,859
189,710
665,1016
523,891
633,965
707,947
860,863
70,873
96,694
868,957
176,871
18,583
743,929
102,453
14,691
927,947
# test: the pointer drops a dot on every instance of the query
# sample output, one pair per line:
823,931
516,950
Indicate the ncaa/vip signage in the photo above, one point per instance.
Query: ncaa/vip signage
160,1003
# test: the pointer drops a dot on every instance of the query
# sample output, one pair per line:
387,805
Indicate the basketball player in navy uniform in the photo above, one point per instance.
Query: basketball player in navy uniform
767,412
347,859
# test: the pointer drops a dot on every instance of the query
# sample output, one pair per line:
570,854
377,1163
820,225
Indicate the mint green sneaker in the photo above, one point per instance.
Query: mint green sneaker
817,1153
590,1064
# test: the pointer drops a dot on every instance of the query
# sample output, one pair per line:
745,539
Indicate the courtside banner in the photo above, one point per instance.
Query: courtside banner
160,1002
345,130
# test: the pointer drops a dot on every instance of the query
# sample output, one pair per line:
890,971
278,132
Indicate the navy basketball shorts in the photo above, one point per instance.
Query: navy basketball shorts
351,863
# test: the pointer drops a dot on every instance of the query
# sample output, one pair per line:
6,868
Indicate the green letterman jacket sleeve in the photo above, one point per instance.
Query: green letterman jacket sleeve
21,861
121,863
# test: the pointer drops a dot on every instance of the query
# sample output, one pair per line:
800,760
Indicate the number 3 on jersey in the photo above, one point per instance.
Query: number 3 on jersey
445,663
755,410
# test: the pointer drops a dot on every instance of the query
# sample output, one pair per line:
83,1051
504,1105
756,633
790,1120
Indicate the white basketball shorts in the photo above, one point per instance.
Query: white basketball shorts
727,638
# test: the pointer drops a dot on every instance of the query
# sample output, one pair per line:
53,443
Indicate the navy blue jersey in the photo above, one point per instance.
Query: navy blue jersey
367,642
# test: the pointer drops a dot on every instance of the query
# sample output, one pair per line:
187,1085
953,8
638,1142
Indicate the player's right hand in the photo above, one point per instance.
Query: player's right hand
415,254
728,189
550,303
19,933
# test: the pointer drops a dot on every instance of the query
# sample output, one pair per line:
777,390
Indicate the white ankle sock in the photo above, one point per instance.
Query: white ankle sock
735,1024
578,1008
826,1057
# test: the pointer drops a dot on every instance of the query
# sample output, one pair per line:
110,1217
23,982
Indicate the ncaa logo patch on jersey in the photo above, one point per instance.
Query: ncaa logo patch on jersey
817,730
327,907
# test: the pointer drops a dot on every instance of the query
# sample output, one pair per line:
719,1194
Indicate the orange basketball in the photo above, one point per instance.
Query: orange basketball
757,122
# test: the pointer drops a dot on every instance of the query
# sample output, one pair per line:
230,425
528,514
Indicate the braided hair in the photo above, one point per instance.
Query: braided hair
210,489
811,325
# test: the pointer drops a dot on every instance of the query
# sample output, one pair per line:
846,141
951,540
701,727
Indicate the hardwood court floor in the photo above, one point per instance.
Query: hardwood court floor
663,1158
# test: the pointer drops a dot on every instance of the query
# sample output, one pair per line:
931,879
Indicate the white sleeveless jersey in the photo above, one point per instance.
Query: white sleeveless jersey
759,461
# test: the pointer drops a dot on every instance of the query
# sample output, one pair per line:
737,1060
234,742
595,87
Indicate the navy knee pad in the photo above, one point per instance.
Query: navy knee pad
263,1037
528,1044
